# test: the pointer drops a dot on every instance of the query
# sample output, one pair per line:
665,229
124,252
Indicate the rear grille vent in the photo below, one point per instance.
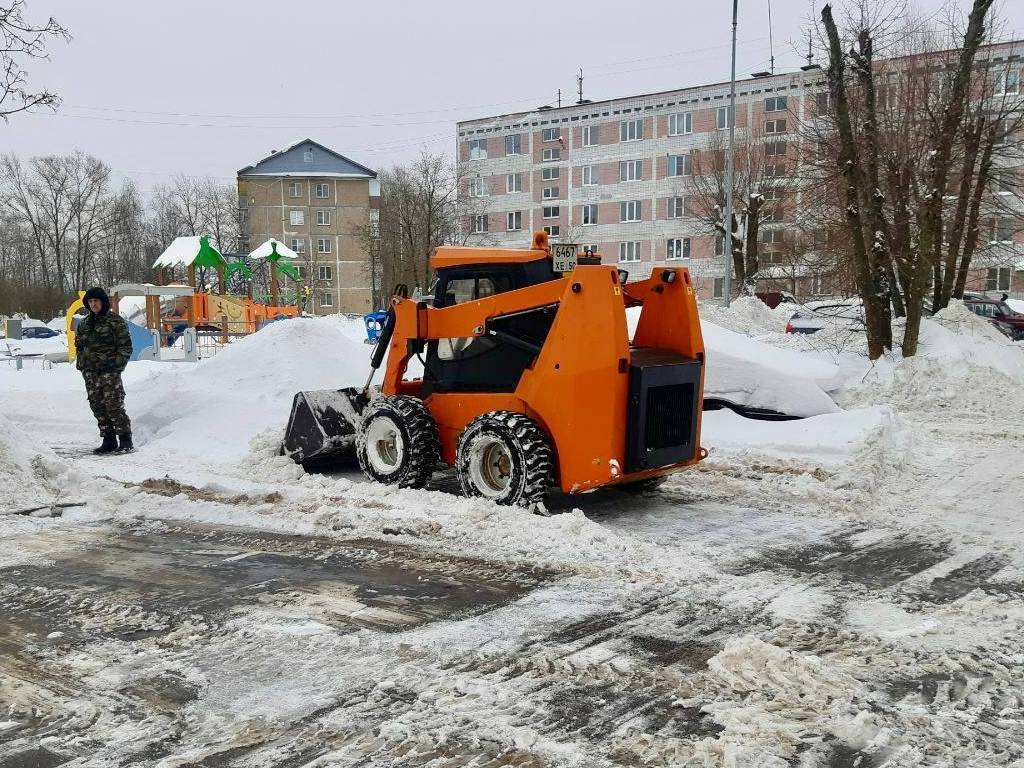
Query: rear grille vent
669,416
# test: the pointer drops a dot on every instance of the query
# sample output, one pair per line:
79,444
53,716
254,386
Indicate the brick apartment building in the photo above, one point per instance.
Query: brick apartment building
616,175
317,202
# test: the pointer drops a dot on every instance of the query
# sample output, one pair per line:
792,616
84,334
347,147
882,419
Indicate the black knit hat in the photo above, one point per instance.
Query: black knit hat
97,293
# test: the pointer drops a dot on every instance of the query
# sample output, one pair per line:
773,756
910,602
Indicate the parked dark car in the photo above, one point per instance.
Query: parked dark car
847,314
998,313
38,332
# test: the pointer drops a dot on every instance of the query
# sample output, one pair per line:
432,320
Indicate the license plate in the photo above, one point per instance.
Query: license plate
563,257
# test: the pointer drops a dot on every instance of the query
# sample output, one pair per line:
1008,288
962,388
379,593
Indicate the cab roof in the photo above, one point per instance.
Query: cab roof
457,256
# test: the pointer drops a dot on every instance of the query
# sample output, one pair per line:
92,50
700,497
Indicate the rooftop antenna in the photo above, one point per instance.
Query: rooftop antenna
771,44
579,86
559,97
810,51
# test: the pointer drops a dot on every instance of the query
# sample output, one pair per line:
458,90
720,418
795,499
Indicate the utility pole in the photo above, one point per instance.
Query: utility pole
727,279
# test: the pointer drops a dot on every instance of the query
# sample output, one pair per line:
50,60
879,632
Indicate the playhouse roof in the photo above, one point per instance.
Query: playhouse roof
189,252
267,249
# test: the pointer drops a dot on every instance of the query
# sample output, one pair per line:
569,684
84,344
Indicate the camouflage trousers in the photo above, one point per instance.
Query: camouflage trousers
106,398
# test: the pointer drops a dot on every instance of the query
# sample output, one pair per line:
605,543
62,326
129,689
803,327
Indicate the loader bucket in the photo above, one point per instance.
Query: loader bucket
322,427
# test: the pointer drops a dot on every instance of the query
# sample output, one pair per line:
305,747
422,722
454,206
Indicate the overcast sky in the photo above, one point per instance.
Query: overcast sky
205,87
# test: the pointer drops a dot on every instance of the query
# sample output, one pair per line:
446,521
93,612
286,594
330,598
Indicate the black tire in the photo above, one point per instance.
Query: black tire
413,452
506,457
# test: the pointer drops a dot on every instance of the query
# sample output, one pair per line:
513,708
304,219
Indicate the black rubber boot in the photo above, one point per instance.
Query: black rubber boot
125,443
109,444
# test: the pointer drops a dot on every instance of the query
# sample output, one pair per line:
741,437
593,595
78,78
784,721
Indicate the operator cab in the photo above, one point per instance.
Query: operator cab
486,363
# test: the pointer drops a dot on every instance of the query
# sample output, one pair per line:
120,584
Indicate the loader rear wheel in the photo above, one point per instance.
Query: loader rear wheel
398,442
505,457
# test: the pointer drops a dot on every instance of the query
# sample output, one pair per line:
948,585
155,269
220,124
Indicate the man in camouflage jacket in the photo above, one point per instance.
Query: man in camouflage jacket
103,347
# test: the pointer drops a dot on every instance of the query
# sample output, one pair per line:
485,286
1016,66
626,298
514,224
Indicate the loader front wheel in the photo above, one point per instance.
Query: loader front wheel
505,457
398,442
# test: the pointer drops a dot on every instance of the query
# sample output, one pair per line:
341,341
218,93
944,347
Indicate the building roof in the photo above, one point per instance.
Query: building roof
308,158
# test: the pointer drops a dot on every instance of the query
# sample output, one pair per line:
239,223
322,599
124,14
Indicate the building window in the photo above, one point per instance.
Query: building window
774,148
323,245
770,236
823,102
1008,82
998,279
776,104
589,213
550,211
589,248
325,272
478,149
719,245
677,248
477,186
724,118
771,193
514,182
775,171
513,144
719,289
551,154
553,230
550,174
679,165
631,170
629,251
676,207
295,189
323,190
1001,231
479,223
323,218
590,175
549,193
550,134
296,218
514,221
631,130
773,214
326,299
307,156
680,124
774,126
591,136
298,245
630,210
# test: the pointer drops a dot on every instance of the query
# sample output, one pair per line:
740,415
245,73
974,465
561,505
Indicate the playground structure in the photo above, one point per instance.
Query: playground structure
183,322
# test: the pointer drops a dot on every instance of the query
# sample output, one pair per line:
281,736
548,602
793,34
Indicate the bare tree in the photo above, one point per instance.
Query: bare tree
762,190
21,39
907,141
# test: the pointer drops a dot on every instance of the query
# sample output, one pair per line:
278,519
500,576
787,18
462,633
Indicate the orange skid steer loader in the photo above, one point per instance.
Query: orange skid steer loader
530,380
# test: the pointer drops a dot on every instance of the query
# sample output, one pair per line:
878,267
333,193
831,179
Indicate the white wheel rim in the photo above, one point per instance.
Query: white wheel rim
490,467
385,448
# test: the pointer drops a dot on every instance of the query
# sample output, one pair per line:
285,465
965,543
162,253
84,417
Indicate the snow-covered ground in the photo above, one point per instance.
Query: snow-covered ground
841,590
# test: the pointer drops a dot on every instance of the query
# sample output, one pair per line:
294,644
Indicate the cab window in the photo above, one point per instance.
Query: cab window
460,290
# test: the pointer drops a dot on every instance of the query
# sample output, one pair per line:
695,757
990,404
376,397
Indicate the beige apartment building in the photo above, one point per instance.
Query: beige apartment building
318,203
617,176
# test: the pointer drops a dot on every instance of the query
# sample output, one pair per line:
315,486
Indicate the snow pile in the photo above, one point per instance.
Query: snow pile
351,325
29,475
830,439
213,409
963,365
747,372
1017,305
749,315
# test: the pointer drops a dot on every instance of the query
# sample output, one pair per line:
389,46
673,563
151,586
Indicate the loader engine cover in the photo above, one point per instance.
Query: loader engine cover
663,404
322,426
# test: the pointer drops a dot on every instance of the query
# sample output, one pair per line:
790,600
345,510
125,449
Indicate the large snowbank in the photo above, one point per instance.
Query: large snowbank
749,315
829,439
213,409
963,365
28,473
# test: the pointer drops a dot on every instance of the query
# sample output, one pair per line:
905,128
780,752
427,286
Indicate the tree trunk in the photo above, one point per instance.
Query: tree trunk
849,165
